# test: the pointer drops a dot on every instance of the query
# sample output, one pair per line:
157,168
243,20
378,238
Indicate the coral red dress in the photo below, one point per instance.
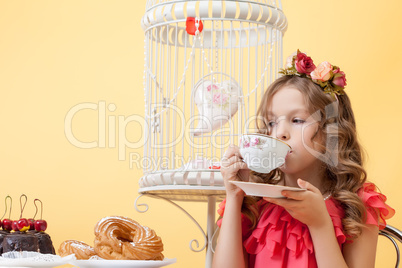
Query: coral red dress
279,240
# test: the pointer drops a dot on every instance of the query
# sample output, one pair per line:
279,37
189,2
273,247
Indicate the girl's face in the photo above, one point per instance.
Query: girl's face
290,120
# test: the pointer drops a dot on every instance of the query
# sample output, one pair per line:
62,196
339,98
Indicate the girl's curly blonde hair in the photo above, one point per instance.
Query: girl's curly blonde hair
343,159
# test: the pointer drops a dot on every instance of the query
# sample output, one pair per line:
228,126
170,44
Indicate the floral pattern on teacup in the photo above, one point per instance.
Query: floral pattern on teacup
253,142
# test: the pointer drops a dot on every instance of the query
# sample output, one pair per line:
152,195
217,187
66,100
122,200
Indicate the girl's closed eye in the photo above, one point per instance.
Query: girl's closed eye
298,121
271,123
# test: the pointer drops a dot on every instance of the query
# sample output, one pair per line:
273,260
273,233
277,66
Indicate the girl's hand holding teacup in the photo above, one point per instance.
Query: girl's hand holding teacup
233,169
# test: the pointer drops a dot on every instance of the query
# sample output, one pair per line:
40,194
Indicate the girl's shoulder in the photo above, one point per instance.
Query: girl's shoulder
377,209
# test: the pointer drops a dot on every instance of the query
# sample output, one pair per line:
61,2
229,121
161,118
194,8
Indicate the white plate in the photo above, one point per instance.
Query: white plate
122,263
29,262
263,189
43,264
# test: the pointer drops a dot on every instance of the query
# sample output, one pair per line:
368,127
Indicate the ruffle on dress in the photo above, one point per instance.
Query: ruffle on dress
377,210
285,241
245,221
282,241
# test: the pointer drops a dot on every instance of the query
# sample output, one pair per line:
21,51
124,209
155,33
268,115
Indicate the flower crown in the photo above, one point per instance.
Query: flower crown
330,78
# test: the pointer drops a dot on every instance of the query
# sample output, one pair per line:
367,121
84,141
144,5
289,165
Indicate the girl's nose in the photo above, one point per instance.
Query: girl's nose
282,131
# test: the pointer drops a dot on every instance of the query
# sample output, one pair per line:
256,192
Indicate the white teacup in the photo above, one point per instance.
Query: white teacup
263,153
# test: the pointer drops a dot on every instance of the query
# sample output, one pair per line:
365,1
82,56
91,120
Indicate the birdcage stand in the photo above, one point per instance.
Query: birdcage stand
190,193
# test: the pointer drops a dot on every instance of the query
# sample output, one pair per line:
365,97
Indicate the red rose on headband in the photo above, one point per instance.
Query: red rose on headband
304,64
191,27
339,78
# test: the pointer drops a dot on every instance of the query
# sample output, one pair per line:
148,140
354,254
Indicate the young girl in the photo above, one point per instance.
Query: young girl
335,222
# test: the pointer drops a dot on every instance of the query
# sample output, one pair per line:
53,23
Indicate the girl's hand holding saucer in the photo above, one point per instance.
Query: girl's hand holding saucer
233,169
306,206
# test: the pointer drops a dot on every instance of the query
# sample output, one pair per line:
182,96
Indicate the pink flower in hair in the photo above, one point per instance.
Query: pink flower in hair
322,72
339,78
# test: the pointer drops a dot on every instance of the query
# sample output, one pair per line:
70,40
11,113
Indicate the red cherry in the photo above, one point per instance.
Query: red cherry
1,224
40,225
31,224
7,224
23,224
15,225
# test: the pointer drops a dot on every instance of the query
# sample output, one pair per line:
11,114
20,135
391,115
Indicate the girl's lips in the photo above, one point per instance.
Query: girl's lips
290,152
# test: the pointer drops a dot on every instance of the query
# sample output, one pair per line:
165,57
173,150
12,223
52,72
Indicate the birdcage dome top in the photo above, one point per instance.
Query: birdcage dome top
263,12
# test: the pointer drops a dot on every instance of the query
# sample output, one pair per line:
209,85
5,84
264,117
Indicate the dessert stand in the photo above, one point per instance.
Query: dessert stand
206,66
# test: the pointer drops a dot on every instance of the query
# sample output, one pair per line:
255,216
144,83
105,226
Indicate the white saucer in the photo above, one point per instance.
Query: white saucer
263,189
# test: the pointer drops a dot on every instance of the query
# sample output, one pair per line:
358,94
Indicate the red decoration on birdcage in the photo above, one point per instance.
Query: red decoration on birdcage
191,26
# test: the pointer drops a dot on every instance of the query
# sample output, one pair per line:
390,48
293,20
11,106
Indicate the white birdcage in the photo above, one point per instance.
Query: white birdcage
202,88
207,65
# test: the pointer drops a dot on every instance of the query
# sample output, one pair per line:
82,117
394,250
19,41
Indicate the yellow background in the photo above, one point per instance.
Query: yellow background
56,54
